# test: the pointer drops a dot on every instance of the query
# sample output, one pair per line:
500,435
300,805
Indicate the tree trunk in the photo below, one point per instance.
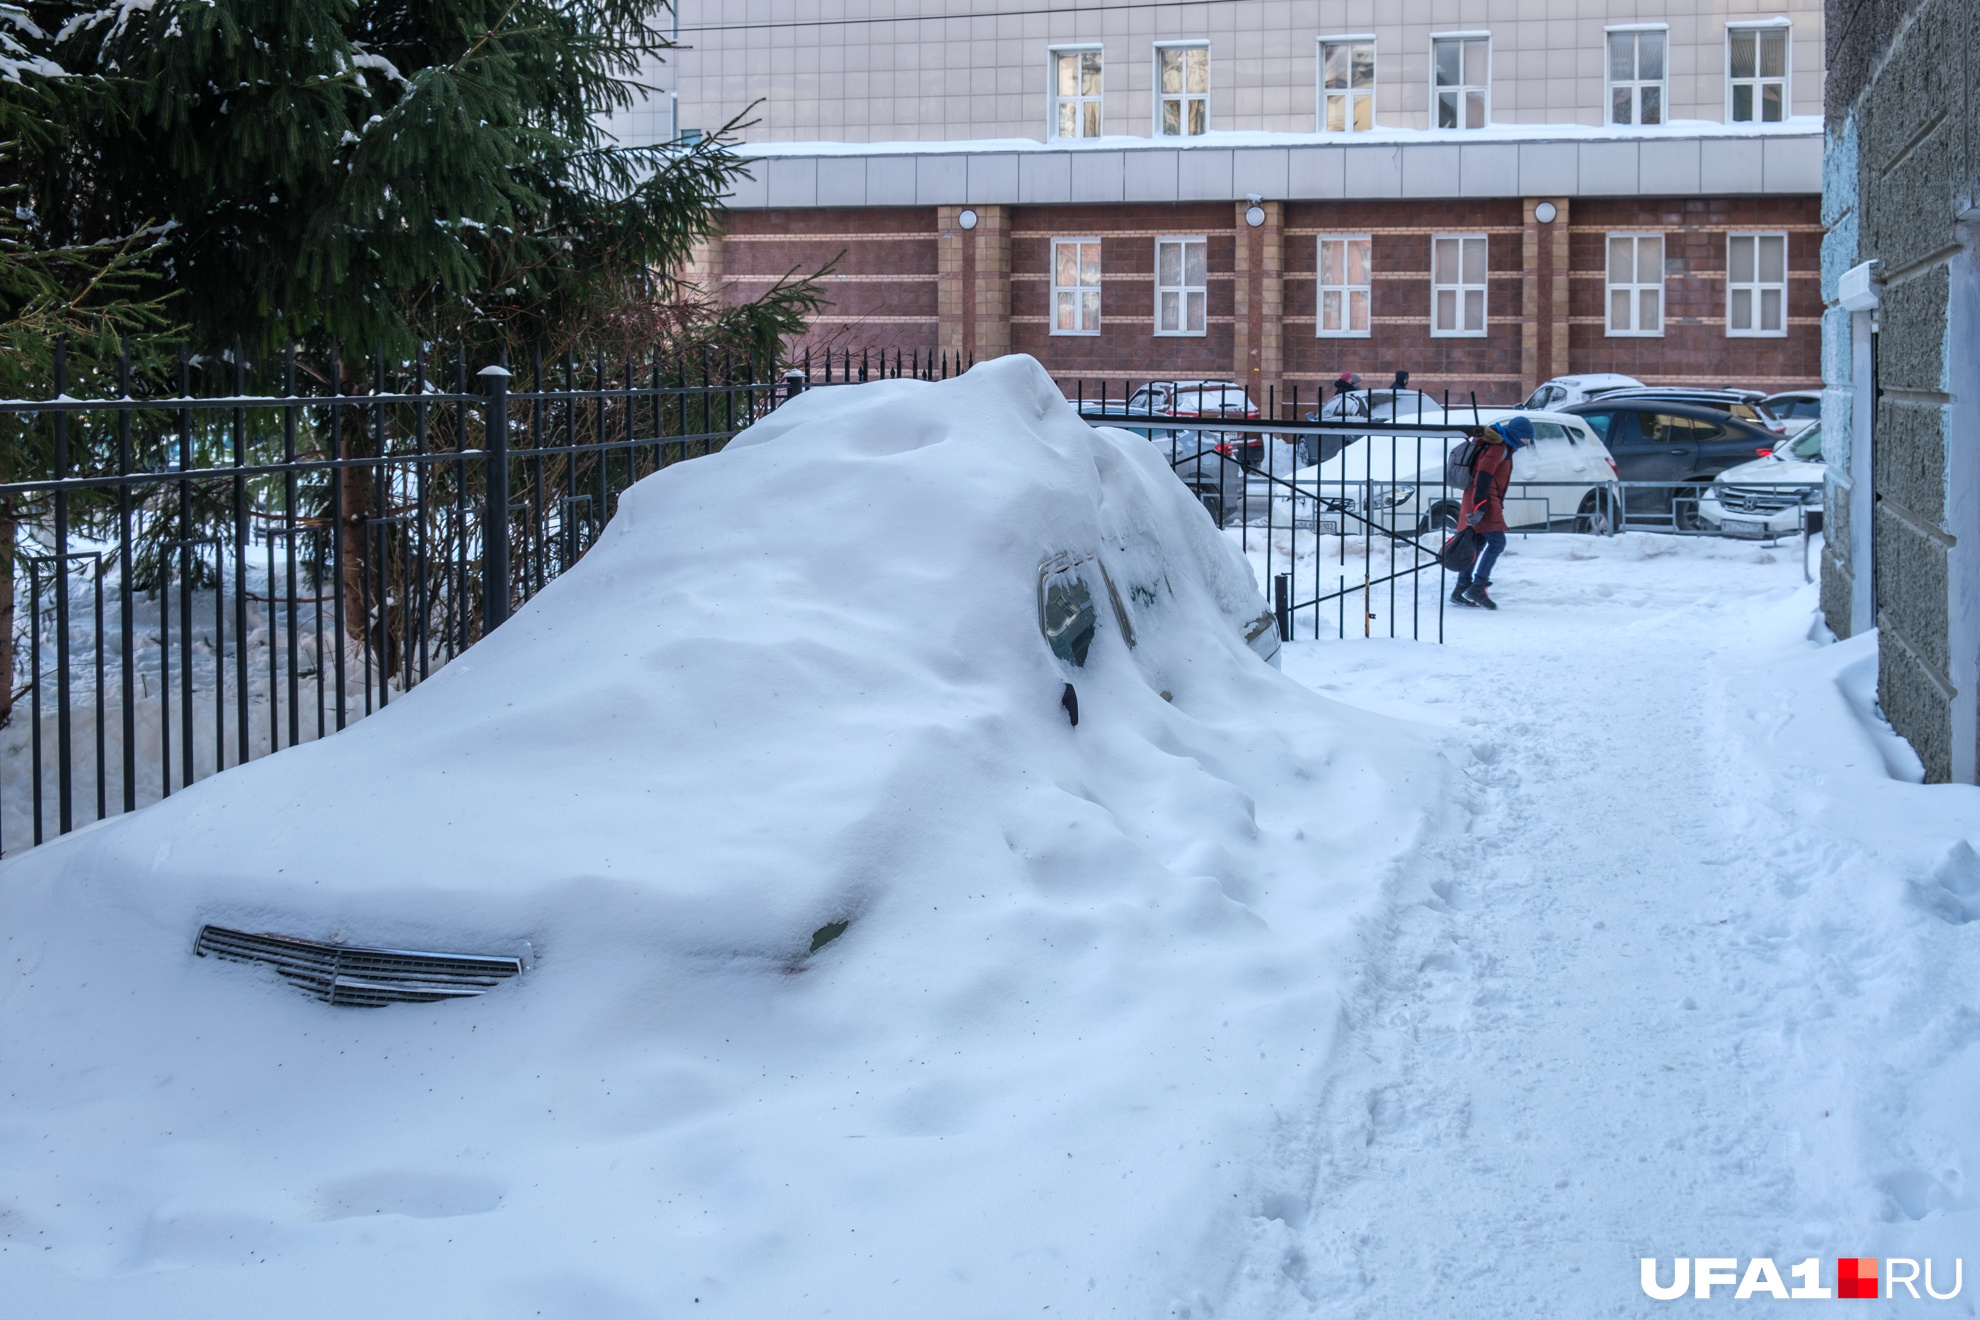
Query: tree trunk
351,538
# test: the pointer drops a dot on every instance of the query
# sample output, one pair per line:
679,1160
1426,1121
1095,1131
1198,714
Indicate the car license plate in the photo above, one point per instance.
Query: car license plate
1741,527
1321,526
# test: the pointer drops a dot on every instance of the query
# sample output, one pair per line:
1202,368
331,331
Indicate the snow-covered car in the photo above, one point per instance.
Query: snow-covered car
1564,390
1375,406
786,740
1770,496
1397,482
1212,464
1795,409
1192,400
1363,406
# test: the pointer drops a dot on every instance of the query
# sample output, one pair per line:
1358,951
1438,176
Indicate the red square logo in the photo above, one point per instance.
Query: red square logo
1856,1276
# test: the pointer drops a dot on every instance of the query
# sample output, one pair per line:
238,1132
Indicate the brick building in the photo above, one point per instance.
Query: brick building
1486,193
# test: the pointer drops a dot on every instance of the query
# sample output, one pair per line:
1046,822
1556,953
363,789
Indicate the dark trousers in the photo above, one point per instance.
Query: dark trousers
1480,572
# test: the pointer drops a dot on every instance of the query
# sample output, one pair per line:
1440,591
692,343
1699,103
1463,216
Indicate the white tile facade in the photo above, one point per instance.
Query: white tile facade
935,70
941,174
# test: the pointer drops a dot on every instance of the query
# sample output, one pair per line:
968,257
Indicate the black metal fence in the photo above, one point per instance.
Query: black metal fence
216,574
1344,501
1330,492
231,560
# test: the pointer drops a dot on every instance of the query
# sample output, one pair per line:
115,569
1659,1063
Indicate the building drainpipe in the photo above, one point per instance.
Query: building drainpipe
1859,292
1962,435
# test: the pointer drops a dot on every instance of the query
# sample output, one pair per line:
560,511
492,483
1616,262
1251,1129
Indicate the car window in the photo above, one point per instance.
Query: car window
1548,431
1808,445
1748,412
1699,431
1807,408
1661,428
1598,423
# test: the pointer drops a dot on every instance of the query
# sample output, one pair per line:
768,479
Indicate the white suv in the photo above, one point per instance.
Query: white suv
1397,482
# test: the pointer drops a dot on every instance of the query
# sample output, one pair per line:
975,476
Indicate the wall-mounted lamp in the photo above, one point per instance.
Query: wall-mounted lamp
967,219
1545,213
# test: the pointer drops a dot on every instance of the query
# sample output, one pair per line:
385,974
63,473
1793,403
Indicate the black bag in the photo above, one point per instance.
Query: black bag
1460,550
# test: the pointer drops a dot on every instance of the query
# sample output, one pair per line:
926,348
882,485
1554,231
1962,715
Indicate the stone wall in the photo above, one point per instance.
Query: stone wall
1902,114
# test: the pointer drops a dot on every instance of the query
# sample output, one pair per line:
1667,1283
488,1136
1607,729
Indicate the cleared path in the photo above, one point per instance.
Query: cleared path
1574,1042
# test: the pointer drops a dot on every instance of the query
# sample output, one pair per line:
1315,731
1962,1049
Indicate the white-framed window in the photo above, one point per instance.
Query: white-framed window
1182,90
1075,286
1461,80
1182,286
1636,284
1340,298
1756,285
1757,73
1639,75
1457,285
1075,92
1347,84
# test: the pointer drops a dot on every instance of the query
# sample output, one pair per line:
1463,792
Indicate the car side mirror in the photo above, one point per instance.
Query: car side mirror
1065,610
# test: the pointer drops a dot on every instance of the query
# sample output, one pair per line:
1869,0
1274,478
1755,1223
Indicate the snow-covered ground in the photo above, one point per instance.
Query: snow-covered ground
1412,981
1689,976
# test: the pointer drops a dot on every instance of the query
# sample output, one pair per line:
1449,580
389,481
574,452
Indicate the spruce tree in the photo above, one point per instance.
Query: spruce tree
357,177
375,171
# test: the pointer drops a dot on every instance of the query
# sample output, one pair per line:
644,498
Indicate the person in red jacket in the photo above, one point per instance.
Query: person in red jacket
1484,507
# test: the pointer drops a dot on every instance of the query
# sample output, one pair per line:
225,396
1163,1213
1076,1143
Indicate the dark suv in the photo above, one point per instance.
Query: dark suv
1678,446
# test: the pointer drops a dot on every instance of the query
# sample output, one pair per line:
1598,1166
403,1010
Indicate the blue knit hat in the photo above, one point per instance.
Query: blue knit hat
1517,430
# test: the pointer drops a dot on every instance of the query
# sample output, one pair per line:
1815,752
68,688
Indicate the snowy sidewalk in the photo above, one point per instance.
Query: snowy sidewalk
1614,1014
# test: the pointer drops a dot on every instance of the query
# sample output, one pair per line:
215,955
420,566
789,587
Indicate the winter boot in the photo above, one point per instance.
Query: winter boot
1458,597
1476,595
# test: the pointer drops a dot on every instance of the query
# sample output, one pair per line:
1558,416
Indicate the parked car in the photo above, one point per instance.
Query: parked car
1192,400
1677,447
1211,466
1375,406
1068,611
1363,406
1397,483
1562,391
1796,409
1747,405
1768,497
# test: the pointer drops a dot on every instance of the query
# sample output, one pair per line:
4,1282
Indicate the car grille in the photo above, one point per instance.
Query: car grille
353,977
1758,499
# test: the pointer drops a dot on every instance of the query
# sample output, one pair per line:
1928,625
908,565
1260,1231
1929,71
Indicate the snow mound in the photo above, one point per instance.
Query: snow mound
796,685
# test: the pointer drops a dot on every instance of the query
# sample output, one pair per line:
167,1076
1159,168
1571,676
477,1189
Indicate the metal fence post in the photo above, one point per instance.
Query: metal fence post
495,514
1281,605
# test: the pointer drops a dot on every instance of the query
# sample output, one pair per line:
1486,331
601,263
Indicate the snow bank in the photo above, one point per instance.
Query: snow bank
1084,972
